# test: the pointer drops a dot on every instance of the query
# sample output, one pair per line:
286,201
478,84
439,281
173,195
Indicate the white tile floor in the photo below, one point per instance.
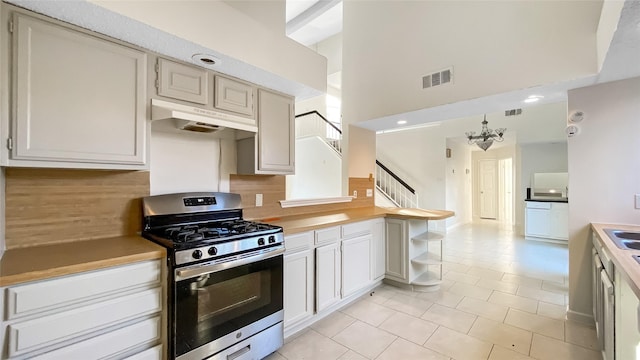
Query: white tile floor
503,298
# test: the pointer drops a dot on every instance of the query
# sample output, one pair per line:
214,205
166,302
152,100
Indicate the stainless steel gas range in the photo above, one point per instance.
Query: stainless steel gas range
225,276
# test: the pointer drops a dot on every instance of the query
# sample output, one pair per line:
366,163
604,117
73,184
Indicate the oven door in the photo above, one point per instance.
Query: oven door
218,305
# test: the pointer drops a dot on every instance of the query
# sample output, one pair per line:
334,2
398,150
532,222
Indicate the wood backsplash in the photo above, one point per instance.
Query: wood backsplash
46,206
273,189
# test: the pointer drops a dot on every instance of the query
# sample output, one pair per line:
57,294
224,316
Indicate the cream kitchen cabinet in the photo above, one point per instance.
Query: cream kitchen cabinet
272,150
328,271
414,255
546,220
377,249
193,85
396,251
78,100
234,96
328,267
337,262
298,278
182,82
112,313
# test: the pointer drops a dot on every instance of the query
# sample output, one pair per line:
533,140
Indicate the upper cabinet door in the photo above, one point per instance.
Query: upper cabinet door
233,96
77,99
276,134
182,82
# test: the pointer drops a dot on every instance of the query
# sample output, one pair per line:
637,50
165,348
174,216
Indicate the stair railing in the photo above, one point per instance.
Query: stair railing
394,188
312,123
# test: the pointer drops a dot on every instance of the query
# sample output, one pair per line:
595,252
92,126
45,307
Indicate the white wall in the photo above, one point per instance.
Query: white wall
493,46
318,170
536,158
604,174
458,183
188,161
420,153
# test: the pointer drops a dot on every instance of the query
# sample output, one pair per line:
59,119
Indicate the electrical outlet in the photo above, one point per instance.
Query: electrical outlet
369,192
355,193
258,199
637,201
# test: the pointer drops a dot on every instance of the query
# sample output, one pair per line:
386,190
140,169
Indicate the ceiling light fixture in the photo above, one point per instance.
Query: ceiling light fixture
485,139
401,122
206,60
533,98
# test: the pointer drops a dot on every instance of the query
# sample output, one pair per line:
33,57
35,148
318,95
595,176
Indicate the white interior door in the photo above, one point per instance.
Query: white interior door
488,189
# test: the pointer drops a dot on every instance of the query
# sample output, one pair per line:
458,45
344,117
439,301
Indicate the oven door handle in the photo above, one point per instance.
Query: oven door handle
198,270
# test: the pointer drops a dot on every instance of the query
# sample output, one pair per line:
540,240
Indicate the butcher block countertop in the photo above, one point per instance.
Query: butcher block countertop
623,260
301,223
46,261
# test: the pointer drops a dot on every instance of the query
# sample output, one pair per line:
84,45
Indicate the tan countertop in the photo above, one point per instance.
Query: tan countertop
46,261
301,223
623,260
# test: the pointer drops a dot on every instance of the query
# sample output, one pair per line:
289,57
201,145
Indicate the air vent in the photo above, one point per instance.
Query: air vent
512,112
437,78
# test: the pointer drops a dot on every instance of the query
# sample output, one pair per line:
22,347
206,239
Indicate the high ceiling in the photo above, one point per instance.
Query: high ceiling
309,22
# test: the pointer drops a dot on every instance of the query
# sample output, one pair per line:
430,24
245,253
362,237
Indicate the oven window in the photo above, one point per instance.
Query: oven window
216,304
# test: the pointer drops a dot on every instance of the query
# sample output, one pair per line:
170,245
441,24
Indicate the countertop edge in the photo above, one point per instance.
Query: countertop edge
148,251
622,259
302,223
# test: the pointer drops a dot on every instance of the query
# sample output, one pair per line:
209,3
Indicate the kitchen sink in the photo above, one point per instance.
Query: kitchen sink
627,235
624,239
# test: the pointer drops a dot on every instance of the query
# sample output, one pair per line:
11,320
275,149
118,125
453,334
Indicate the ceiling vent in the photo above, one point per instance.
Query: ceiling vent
437,78
512,112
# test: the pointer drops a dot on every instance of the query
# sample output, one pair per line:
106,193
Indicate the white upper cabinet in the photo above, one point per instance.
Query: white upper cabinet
77,100
234,96
182,82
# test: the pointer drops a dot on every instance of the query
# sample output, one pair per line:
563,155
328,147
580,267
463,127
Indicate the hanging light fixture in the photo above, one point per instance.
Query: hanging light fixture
485,139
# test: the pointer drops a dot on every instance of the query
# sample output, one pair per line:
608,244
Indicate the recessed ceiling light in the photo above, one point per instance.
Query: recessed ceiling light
206,60
402,122
533,98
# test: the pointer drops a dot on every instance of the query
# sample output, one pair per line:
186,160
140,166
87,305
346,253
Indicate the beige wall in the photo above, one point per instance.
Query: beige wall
390,45
361,159
604,174
272,13
217,25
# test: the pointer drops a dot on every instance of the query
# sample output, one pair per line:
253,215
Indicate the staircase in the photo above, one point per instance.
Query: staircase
390,185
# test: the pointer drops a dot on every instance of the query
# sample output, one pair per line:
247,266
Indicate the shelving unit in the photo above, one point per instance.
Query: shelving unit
425,254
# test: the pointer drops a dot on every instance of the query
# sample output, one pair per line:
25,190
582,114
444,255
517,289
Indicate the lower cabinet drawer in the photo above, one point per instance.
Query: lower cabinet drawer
40,332
155,353
356,229
113,342
49,294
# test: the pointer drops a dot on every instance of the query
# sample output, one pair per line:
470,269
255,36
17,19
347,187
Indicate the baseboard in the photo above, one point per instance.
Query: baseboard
580,317
554,241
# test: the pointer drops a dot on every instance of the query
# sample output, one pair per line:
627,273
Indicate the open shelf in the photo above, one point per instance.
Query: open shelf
428,236
428,278
427,258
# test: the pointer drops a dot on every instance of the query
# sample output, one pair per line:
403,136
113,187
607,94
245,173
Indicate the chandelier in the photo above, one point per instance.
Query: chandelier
485,139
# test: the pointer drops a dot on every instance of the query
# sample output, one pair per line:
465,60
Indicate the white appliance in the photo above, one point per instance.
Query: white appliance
603,299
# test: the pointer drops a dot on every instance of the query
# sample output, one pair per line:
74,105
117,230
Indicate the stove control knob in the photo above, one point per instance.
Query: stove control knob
212,250
197,254
261,241
272,239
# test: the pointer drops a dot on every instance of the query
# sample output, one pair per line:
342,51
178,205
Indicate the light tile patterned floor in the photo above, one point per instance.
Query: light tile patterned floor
503,298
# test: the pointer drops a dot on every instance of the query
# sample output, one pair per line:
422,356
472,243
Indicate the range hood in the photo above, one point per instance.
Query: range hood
190,118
